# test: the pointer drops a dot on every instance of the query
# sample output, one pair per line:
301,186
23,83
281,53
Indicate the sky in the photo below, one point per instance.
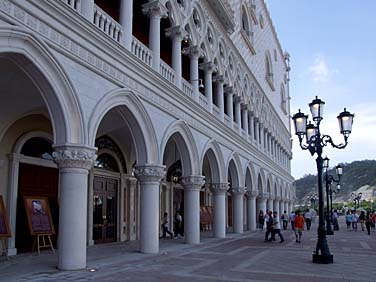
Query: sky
332,44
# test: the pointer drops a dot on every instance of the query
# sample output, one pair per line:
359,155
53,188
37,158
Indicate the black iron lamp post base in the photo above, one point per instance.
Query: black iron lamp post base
322,259
329,232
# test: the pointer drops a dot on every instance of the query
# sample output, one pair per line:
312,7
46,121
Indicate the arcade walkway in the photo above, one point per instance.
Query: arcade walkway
237,258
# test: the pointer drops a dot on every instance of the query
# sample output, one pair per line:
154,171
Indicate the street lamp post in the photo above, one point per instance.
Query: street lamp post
315,143
329,179
356,199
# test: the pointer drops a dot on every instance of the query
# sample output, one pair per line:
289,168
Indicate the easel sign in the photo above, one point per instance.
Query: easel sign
4,224
39,216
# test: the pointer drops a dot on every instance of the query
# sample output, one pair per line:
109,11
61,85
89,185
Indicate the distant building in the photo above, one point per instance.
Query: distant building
118,111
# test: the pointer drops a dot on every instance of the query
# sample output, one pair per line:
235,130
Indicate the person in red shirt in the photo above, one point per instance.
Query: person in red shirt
299,226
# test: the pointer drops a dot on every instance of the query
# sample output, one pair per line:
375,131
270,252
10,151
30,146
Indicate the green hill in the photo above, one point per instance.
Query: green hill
358,175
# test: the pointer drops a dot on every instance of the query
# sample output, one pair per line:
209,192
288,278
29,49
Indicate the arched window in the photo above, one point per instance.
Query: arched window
283,100
37,147
246,25
269,70
107,162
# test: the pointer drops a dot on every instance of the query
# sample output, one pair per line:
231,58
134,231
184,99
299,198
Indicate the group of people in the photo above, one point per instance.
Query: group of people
178,226
366,220
273,224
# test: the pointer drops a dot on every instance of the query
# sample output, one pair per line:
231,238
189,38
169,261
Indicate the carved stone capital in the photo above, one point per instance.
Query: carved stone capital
238,190
74,156
251,193
208,67
155,9
278,198
229,90
176,32
219,188
246,107
239,99
150,173
193,182
194,52
219,79
263,195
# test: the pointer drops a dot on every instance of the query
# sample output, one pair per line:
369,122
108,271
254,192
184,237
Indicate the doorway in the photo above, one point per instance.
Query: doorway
104,210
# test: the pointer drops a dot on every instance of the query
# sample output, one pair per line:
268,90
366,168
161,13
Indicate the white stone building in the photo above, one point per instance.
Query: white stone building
118,116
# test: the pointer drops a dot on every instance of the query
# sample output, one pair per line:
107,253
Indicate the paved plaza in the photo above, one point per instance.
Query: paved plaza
237,258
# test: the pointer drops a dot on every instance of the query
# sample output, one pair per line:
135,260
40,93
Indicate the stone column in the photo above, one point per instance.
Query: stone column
90,203
131,185
276,205
219,190
87,10
251,210
281,206
245,119
238,114
257,132
219,79
74,163
238,194
194,53
270,203
149,177
261,203
230,93
126,21
252,127
208,68
177,34
192,186
155,10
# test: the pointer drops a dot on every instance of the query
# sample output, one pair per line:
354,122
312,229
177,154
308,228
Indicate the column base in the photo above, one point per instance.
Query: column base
322,259
11,252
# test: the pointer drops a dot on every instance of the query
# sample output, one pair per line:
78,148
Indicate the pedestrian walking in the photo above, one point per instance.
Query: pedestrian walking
276,228
335,220
362,219
354,220
368,222
299,226
348,220
292,218
261,220
373,221
165,226
285,220
178,225
308,219
269,225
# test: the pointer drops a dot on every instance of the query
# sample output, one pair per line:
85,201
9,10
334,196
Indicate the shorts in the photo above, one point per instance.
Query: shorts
299,231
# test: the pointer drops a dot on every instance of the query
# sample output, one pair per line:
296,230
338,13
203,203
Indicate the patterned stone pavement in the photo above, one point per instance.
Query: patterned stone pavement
237,258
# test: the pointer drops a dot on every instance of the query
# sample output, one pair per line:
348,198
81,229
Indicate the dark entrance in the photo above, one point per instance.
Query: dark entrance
104,210
41,182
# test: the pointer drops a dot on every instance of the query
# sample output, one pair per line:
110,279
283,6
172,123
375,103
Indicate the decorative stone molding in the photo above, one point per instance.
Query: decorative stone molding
74,156
219,188
219,79
208,67
155,9
193,182
150,172
238,190
251,193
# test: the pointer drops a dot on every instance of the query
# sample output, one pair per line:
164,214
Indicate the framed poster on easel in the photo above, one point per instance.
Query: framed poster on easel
4,227
40,221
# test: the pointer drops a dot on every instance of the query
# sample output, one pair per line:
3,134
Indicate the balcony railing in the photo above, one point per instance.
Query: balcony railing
203,101
141,51
167,72
187,88
107,24
74,4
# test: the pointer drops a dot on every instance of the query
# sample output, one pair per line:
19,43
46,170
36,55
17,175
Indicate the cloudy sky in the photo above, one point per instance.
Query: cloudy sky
333,55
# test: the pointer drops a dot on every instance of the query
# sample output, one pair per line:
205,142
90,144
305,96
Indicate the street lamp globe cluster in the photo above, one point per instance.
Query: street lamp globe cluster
312,198
356,199
329,180
315,142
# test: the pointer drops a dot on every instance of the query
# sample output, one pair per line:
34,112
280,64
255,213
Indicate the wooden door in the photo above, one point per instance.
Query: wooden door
104,210
41,182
